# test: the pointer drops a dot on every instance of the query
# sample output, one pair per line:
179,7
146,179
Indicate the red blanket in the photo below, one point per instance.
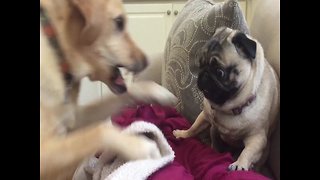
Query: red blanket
193,160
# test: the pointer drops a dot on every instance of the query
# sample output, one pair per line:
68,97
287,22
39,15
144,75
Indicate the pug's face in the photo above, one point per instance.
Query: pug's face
226,61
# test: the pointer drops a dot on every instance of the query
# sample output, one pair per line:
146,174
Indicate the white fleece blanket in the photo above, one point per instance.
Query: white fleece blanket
97,169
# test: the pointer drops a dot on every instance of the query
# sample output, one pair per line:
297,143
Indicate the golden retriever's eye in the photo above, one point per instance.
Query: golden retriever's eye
119,21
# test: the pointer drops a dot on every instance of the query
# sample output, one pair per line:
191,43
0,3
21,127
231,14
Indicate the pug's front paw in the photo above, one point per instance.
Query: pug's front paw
180,133
238,166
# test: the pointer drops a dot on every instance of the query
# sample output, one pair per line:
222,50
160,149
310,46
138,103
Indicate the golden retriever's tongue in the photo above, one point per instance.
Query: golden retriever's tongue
119,81
119,85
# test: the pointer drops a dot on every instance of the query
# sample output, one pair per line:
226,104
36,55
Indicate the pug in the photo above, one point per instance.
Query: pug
241,97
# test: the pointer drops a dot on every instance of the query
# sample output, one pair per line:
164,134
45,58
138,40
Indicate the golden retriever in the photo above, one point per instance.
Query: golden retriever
88,38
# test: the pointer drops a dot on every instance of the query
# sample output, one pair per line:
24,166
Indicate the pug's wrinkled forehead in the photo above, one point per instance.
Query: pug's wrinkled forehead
218,40
222,34
227,38
215,45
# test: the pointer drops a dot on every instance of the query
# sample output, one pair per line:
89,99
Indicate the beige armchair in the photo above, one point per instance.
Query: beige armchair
265,26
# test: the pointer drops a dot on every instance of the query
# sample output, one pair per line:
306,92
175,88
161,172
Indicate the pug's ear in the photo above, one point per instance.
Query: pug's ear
245,46
88,11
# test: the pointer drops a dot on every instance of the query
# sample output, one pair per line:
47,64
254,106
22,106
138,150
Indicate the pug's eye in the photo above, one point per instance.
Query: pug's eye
119,21
220,73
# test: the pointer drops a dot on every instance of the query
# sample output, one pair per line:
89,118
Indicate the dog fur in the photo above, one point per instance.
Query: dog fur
93,36
250,74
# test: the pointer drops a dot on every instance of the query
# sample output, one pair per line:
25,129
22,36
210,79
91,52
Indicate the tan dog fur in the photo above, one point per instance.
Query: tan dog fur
253,127
92,46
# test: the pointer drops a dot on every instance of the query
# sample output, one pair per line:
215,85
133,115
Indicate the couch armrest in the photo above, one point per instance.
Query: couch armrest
154,70
265,27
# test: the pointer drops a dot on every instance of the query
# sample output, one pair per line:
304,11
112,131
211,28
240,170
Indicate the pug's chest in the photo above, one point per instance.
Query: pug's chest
230,129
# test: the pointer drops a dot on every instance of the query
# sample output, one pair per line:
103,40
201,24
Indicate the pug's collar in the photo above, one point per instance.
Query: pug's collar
238,110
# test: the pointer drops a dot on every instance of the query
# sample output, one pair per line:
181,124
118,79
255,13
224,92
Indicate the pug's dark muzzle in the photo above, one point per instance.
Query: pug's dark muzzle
213,89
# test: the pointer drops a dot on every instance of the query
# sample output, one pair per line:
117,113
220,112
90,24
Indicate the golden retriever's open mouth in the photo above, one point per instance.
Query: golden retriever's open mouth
117,85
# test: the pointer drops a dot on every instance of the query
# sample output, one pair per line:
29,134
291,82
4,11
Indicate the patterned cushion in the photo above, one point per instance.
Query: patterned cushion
195,24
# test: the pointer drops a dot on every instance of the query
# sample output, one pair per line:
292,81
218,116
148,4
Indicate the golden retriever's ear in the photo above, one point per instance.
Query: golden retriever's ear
92,27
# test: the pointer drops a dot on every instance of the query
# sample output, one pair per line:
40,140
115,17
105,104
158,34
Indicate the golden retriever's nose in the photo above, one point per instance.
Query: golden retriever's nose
139,65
